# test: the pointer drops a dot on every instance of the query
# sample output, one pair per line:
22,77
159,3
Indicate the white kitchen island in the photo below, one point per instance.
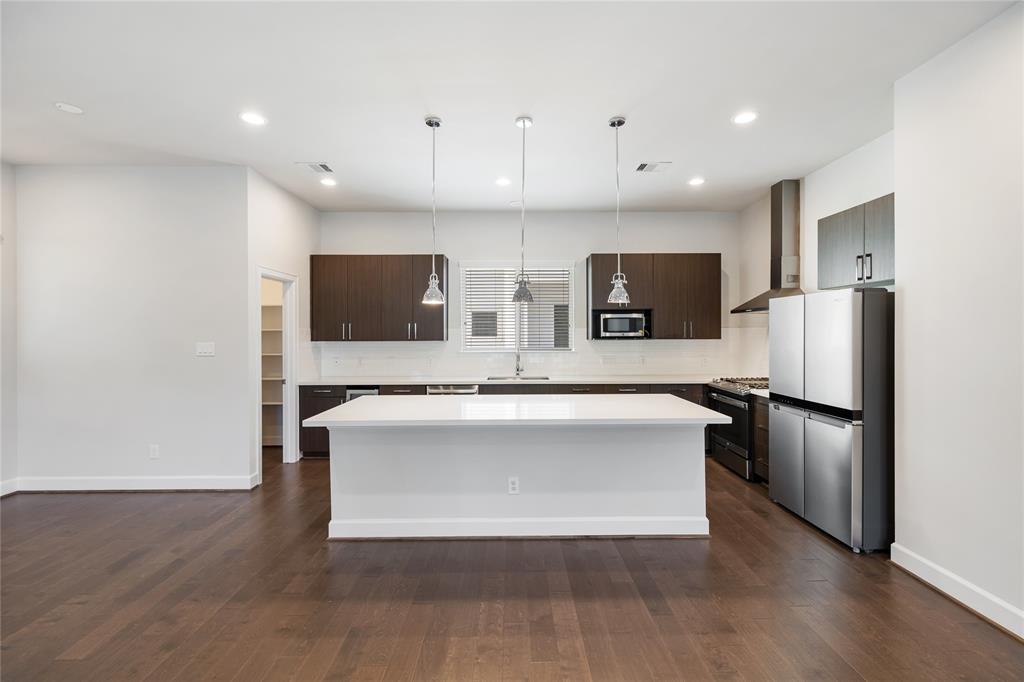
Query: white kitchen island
517,465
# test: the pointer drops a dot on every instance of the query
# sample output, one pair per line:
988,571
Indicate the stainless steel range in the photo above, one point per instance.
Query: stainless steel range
731,444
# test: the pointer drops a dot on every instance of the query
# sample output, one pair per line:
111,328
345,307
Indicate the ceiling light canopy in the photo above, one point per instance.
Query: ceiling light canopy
744,117
433,295
329,182
253,118
68,108
696,182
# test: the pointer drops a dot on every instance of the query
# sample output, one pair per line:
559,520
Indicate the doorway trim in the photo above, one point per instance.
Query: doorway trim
289,389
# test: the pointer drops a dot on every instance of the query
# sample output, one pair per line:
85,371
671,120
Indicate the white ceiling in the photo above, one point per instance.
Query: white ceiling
349,84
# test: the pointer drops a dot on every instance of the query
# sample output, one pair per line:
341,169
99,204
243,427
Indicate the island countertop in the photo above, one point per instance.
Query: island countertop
516,410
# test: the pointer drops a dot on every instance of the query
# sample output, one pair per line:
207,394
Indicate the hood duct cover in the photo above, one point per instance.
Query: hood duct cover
785,247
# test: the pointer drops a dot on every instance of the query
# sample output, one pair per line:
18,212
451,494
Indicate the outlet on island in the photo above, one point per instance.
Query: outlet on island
513,485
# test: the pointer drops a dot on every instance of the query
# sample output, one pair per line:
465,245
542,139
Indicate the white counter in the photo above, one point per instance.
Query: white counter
480,380
516,410
497,466
760,392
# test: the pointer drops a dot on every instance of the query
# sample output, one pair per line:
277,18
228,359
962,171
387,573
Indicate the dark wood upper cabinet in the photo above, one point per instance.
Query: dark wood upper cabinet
668,317
639,271
375,298
365,297
857,247
880,239
328,297
704,295
396,308
687,296
841,248
430,322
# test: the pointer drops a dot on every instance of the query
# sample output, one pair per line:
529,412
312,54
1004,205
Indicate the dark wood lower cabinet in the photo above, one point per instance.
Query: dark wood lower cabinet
761,455
312,401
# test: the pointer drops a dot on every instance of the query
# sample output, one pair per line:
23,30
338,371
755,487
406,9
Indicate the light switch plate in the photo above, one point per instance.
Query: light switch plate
206,349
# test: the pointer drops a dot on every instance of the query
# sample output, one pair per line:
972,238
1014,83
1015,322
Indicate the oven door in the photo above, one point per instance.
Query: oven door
623,325
730,443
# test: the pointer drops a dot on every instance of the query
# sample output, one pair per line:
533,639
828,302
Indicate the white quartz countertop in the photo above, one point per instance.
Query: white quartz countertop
762,392
517,410
448,380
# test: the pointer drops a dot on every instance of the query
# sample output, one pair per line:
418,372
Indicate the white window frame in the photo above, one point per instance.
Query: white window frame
568,265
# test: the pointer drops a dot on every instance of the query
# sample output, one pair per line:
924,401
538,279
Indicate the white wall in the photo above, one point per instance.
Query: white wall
566,237
959,338
8,334
863,174
283,231
120,271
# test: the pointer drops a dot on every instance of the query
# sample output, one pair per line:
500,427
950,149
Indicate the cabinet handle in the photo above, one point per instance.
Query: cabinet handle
321,390
859,268
627,390
349,331
401,390
415,331
580,390
408,331
867,266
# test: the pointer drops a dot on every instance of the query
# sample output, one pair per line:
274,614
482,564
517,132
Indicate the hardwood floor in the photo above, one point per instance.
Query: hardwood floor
244,586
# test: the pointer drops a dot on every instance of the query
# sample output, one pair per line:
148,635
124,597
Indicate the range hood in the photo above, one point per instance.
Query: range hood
785,263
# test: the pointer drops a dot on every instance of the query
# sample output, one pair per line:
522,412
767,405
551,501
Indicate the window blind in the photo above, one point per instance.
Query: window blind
490,318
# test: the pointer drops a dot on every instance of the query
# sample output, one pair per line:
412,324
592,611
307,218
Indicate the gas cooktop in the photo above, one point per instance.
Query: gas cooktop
740,385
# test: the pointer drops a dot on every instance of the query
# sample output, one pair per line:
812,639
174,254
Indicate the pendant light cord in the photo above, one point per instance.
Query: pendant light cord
618,229
522,210
433,200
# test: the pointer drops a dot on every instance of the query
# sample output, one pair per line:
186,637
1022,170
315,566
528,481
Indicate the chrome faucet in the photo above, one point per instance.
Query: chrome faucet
519,363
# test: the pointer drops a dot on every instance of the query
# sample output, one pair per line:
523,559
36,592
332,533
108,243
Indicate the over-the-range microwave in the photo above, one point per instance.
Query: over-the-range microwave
631,325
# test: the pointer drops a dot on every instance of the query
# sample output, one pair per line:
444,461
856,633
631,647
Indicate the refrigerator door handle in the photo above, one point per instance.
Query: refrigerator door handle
831,421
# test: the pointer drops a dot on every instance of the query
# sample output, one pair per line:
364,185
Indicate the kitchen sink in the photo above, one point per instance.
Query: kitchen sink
519,378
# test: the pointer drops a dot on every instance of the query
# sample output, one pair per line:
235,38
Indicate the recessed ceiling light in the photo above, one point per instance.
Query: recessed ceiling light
253,118
502,182
68,108
744,117
696,182
329,182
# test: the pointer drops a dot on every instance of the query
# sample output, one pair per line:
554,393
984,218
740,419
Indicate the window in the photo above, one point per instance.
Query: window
489,318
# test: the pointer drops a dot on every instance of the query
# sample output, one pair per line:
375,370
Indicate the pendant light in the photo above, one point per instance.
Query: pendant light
522,293
618,295
433,295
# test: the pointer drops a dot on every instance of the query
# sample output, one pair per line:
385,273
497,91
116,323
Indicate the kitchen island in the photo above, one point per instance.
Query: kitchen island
517,465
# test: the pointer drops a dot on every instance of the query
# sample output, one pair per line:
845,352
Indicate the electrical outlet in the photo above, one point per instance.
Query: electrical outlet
205,349
513,485
154,452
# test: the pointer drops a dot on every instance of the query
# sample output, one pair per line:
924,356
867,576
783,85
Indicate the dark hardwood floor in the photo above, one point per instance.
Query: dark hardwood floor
244,586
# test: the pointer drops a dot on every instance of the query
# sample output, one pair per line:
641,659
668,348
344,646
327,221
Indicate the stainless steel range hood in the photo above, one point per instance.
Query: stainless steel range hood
785,248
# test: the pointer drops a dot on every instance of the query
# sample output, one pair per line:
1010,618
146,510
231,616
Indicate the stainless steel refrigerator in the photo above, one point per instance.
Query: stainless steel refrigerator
831,437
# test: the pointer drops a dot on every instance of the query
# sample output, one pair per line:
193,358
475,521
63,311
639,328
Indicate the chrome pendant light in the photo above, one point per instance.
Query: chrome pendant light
433,295
522,293
618,295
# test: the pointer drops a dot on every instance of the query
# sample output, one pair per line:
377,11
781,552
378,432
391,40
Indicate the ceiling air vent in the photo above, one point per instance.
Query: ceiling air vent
318,167
654,167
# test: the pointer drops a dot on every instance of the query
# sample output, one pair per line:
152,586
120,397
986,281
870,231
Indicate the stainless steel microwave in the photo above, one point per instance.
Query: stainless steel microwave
623,325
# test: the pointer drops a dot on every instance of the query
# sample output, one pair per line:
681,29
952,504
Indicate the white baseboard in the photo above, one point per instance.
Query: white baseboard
518,527
133,483
967,593
9,486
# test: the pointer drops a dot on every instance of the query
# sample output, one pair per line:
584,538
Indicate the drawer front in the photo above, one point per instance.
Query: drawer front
629,388
692,392
322,391
403,390
579,389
